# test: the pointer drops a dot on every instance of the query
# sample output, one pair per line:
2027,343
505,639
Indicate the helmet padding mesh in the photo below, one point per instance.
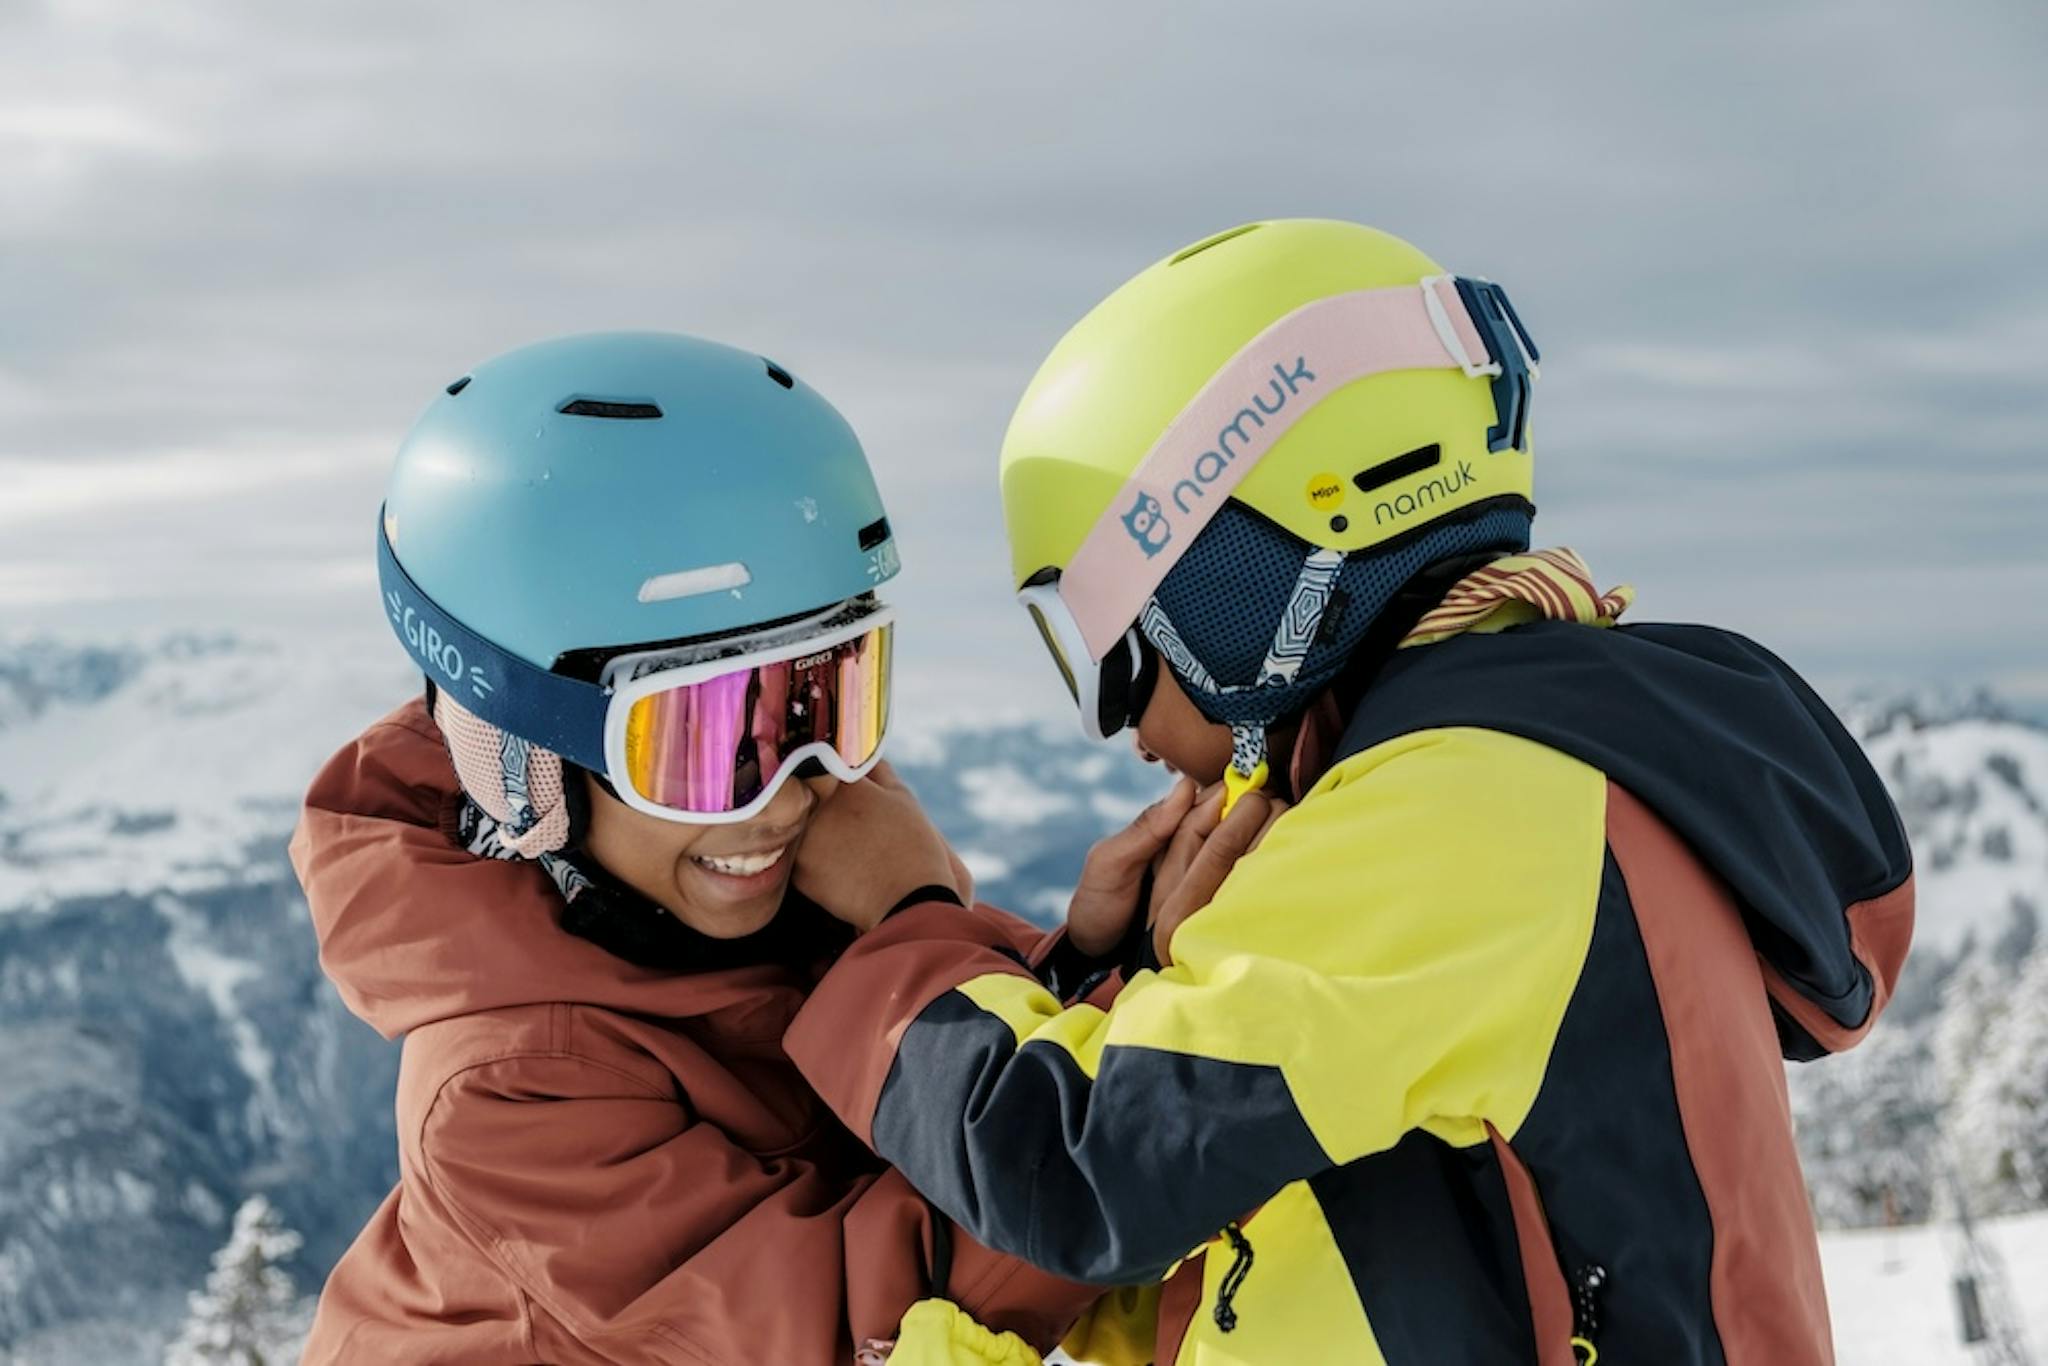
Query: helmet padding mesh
1226,596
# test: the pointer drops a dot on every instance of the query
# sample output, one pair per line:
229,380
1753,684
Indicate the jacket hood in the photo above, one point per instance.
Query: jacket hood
415,929
1732,750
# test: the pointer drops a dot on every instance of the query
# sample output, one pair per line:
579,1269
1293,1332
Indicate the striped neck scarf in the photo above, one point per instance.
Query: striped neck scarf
1543,585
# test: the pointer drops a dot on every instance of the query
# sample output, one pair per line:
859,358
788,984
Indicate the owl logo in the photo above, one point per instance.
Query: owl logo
1146,521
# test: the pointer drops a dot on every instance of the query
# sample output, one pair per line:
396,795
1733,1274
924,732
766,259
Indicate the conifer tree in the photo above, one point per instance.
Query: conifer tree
1999,1123
249,1314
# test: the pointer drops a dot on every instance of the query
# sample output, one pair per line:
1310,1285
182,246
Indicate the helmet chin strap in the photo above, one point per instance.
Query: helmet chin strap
1248,769
1299,624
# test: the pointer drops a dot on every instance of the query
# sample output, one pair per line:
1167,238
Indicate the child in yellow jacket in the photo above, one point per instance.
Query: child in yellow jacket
1477,1056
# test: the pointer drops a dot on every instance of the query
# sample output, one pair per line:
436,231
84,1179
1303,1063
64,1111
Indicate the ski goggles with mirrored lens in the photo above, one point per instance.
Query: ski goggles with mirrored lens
713,741
1112,692
696,740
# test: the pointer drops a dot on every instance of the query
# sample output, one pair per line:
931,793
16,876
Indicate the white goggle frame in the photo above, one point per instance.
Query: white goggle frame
625,694
1063,640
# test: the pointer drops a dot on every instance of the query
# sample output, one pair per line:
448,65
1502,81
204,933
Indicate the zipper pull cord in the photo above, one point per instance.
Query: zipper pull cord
1233,1279
1587,1284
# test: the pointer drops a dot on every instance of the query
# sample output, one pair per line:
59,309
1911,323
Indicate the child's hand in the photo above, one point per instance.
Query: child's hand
1106,897
1200,855
871,845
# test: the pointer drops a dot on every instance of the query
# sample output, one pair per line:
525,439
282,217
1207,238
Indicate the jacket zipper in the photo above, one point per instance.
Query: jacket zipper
1587,1283
1233,1279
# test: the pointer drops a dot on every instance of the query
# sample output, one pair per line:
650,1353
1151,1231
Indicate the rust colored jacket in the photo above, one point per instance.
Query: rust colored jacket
598,1162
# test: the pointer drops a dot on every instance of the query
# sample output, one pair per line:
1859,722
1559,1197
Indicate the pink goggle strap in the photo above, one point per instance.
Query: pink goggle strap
1230,425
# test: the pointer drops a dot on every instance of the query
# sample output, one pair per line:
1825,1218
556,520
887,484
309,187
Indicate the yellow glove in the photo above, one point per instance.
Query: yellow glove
1120,1329
939,1333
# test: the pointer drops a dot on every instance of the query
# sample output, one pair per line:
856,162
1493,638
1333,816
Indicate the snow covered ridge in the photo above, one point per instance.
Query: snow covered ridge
1972,784
167,765
36,673
1948,1098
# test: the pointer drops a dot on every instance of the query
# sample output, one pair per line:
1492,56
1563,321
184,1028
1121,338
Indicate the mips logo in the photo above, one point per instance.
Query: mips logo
1146,521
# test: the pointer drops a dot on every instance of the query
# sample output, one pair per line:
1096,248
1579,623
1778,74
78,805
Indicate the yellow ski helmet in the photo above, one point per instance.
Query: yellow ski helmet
1327,378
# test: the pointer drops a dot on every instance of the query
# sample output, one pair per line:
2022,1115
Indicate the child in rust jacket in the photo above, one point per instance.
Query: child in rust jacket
638,572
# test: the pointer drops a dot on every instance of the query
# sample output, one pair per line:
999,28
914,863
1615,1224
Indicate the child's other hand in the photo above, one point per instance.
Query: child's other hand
871,845
1201,855
1106,897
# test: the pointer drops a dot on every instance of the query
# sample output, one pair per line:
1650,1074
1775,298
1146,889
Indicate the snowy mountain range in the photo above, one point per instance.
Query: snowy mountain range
168,1046
1972,783
166,1041
1946,1104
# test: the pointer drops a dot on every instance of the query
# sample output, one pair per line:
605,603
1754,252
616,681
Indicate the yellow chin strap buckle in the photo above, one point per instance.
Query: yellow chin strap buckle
1236,784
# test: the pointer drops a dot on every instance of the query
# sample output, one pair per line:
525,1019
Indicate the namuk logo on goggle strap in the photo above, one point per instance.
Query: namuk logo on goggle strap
441,657
1147,522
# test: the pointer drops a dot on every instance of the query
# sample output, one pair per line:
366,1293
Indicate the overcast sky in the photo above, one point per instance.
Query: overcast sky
1786,263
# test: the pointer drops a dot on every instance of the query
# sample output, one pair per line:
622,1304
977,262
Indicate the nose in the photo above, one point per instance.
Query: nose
787,811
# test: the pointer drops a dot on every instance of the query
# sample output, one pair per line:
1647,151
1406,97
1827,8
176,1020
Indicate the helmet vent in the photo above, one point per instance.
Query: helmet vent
601,407
874,533
1400,467
458,386
1207,242
778,374
691,583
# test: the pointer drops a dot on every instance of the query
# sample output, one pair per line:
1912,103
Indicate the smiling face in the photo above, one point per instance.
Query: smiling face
721,880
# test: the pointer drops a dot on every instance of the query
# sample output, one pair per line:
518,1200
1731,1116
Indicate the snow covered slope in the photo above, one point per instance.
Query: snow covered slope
166,1042
1950,1081
1972,784
166,766
1893,1304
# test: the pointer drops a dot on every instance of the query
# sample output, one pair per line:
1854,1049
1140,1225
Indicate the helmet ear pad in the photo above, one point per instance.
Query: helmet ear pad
1229,593
530,793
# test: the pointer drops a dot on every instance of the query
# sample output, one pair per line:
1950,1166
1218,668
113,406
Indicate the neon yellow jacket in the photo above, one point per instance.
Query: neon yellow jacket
1478,1054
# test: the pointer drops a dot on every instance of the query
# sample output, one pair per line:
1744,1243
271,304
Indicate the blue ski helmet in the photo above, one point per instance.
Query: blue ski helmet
613,491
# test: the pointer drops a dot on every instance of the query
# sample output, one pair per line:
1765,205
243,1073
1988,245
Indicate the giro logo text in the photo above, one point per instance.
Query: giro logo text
439,655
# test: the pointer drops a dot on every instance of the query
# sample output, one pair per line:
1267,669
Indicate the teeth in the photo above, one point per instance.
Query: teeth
745,865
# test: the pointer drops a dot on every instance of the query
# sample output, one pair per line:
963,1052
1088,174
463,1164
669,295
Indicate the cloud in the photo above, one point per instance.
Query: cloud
1783,261
46,490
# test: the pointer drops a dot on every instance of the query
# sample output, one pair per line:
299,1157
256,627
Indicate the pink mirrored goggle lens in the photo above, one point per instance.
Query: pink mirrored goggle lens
716,745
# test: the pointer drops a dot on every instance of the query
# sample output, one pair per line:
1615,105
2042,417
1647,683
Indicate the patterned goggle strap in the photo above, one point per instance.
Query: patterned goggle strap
1296,634
1158,629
